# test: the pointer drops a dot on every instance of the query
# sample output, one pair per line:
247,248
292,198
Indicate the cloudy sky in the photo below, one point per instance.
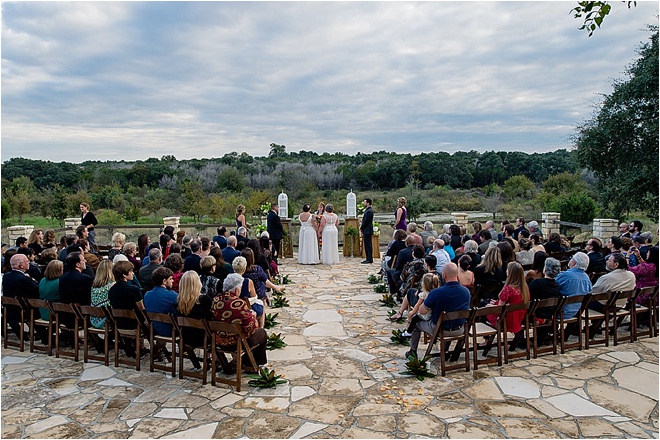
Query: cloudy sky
132,80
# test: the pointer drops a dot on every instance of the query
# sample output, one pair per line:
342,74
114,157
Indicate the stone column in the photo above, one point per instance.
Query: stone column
548,225
18,231
172,221
71,224
605,228
461,219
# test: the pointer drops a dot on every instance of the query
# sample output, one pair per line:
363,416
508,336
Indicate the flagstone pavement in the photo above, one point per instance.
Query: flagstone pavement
344,381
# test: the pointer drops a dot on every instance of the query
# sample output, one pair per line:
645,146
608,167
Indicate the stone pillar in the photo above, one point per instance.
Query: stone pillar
18,231
71,224
605,228
461,219
548,225
172,221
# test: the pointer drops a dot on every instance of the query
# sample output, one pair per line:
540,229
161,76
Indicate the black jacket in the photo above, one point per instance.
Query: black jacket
274,226
367,226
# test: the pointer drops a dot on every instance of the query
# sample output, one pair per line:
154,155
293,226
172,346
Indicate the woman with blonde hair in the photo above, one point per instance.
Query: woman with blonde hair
400,214
101,285
192,304
118,240
429,282
515,291
240,218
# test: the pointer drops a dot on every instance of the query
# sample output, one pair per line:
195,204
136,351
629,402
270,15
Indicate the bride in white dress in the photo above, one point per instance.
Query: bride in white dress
308,245
329,233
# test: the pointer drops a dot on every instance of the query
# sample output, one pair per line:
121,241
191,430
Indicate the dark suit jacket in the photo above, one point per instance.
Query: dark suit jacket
404,256
274,226
229,254
192,263
367,226
76,288
221,240
17,284
596,262
145,276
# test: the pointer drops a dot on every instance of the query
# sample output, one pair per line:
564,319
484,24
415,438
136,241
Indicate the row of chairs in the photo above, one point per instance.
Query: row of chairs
78,329
616,307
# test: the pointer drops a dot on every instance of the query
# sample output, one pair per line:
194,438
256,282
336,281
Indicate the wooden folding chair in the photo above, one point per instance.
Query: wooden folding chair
15,303
462,341
158,343
186,348
590,316
645,309
485,292
90,332
618,312
218,352
595,275
491,334
36,322
523,334
132,335
65,315
551,307
574,321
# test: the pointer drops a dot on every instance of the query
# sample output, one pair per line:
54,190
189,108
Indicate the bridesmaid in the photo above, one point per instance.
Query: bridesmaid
400,214
240,217
308,246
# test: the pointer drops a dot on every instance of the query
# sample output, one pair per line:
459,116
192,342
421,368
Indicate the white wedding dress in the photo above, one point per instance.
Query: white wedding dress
308,244
330,247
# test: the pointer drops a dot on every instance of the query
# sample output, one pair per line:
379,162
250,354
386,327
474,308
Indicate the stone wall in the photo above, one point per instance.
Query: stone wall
548,225
18,231
605,228
460,218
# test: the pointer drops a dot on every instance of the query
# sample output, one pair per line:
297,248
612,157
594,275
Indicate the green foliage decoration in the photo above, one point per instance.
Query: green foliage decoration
265,378
374,279
279,300
398,338
399,320
275,340
270,320
387,300
417,367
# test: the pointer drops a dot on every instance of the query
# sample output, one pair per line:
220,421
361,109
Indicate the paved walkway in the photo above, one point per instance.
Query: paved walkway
344,382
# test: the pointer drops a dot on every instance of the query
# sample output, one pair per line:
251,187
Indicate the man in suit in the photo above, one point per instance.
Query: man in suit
596,259
75,285
144,275
367,229
403,257
221,238
192,262
230,252
18,283
275,230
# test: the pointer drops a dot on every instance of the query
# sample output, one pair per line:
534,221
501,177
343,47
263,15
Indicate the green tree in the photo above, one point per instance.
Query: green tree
518,186
230,179
277,150
593,13
620,144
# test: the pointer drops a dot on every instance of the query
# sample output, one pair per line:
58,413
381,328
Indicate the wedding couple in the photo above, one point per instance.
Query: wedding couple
308,239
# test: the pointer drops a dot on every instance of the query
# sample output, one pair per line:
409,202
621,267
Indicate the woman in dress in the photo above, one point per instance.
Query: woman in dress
35,242
49,286
465,274
101,285
515,291
330,236
258,276
192,304
240,217
646,273
308,245
400,214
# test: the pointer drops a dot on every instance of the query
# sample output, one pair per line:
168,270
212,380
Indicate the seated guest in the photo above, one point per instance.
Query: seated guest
192,262
398,243
429,282
175,263
155,261
230,252
222,268
21,242
526,254
118,240
143,242
259,256
574,281
125,295
209,282
471,248
258,276
185,246
241,235
646,273
101,285
448,298
545,288
75,286
456,239
490,228
618,278
92,260
412,230
486,240
508,237
34,271
49,240
441,255
221,238
248,292
476,227
450,250
161,299
533,228
538,265
465,274
404,257
554,244
428,232
179,237
520,226
206,246
36,241
536,243
16,283
412,272
489,272
48,255
70,240
614,244
175,248
134,281
515,291
49,287
596,259
230,308
623,230
507,252
192,304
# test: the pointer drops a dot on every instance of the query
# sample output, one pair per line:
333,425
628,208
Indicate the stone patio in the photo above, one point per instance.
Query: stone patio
344,381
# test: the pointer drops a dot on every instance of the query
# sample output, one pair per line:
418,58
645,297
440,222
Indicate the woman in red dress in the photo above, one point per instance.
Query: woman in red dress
515,291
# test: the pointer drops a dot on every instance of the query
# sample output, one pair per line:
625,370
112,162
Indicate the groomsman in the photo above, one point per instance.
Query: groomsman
367,229
275,230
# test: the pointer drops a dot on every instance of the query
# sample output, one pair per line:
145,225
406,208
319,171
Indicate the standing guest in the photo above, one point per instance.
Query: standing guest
275,229
192,262
88,219
35,242
574,281
515,291
367,228
49,287
118,240
240,218
143,242
192,304
101,285
623,230
145,272
221,238
538,264
130,250
222,268
161,299
209,282
18,284
330,236
230,308
400,214
448,298
174,263
230,252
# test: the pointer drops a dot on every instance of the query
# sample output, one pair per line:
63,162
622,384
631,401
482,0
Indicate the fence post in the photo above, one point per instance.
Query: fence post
605,228
172,221
461,219
19,231
548,225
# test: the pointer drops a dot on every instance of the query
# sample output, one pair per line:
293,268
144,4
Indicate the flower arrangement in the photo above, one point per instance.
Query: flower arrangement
260,228
265,378
264,208
360,208
376,228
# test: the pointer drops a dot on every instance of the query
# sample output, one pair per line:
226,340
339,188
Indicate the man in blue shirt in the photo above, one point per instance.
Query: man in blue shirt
574,281
230,252
161,299
448,298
